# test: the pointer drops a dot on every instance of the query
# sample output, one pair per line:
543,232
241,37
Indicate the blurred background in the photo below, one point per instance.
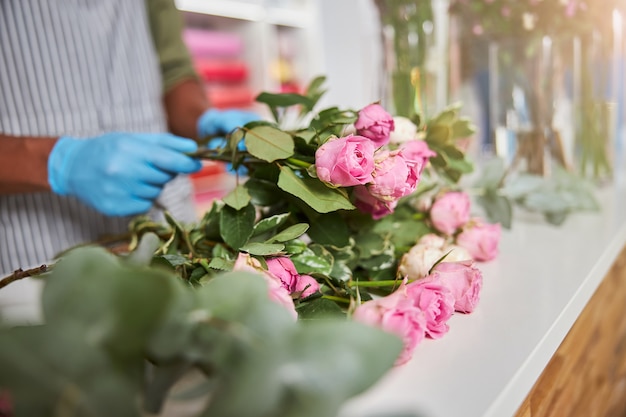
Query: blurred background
542,80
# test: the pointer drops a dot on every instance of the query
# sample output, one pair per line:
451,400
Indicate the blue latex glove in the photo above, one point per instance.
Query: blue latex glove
221,122
119,174
214,122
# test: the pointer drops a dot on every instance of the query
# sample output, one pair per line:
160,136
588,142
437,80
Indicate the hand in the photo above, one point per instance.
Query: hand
119,174
215,122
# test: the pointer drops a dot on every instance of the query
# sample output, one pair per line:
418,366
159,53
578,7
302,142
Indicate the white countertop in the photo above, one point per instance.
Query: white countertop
488,362
532,295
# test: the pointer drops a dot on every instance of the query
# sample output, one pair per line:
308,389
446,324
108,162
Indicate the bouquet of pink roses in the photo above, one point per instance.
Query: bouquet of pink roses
333,214
355,216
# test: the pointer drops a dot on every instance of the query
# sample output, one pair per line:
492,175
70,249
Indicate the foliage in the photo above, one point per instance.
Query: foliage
555,197
120,331
116,331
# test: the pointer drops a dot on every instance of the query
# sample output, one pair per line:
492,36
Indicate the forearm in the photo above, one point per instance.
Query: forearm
184,104
24,164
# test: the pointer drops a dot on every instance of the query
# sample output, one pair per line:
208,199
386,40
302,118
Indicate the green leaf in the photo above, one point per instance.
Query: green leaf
294,247
142,255
270,223
48,368
447,116
370,244
263,249
330,229
497,208
545,201
405,233
491,174
282,377
463,128
92,289
319,308
461,165
222,264
238,198
236,225
556,219
381,262
439,134
284,100
313,192
269,143
306,135
263,192
341,271
172,260
520,186
292,232
313,259
210,223
314,89
233,140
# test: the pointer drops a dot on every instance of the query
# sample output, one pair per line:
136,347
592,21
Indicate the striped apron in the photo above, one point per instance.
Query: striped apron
75,68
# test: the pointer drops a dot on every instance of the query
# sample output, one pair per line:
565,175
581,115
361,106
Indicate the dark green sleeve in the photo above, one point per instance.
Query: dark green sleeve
166,25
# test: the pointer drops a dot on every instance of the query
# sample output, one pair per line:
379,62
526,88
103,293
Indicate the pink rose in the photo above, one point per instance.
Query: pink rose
367,203
284,269
277,292
417,153
375,123
436,301
480,239
393,178
450,211
345,161
306,286
396,314
464,282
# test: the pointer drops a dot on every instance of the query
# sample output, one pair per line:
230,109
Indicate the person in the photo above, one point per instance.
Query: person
100,108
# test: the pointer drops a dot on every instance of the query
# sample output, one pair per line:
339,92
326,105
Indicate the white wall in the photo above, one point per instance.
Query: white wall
349,33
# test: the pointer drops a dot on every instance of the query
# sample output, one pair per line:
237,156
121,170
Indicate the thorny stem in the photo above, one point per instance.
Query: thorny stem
20,274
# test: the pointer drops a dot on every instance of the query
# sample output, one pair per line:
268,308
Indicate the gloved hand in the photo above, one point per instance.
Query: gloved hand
214,122
119,174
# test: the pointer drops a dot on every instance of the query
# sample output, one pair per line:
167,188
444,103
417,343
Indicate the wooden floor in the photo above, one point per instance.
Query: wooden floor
586,377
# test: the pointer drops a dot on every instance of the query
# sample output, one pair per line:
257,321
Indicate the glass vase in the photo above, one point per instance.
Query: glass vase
599,94
531,102
414,39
